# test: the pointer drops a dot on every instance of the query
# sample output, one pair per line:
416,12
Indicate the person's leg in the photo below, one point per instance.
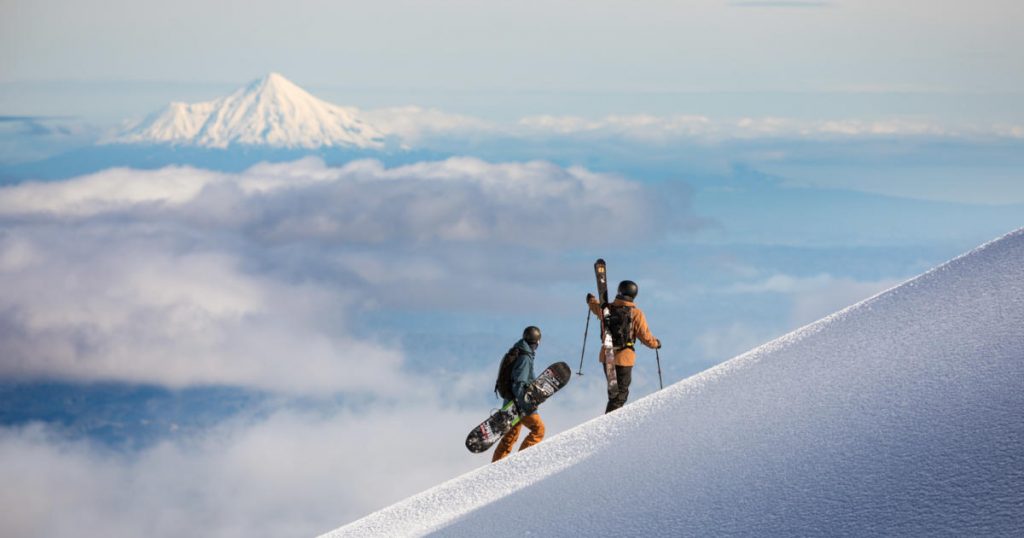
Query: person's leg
508,441
624,375
536,426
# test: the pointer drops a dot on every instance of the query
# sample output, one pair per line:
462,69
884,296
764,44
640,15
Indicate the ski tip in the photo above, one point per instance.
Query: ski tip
600,261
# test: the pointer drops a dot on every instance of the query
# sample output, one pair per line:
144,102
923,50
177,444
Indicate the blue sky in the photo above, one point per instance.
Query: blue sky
864,50
753,165
608,46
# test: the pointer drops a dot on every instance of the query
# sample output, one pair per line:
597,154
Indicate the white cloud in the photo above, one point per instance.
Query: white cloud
188,277
106,191
704,128
293,473
1011,131
816,303
724,342
638,127
411,124
780,283
816,296
105,304
459,199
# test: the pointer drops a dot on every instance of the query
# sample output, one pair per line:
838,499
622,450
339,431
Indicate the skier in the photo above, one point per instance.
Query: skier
521,376
628,325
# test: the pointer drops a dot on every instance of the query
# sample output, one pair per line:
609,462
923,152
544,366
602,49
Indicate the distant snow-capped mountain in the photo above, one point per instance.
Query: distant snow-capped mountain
271,111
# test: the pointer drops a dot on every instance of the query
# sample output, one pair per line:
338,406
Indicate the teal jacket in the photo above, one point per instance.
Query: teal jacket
522,376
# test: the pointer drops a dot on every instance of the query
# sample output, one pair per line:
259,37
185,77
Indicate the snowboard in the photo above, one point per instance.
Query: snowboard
607,353
498,424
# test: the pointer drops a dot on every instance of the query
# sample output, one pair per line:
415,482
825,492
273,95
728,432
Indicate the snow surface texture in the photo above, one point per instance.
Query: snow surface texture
271,111
901,415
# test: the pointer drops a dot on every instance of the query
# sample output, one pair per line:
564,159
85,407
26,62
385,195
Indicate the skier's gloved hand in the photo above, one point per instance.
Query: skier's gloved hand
657,344
591,298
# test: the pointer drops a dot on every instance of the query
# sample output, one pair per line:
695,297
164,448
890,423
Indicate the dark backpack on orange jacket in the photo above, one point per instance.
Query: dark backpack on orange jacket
620,325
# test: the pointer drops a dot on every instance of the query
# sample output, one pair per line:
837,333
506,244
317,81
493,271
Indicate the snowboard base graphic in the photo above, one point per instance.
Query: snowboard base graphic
498,424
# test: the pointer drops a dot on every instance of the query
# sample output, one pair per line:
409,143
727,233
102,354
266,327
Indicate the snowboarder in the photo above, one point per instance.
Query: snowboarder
628,324
520,376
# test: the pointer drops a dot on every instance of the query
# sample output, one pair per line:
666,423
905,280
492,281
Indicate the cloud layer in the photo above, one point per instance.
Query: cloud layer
294,474
181,276
534,204
706,128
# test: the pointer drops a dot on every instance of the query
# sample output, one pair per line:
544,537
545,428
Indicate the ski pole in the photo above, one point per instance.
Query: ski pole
585,331
657,357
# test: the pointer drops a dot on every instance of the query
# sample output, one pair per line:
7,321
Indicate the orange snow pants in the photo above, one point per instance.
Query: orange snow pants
536,427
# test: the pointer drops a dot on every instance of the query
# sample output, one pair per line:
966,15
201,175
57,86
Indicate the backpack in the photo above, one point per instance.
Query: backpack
503,385
620,325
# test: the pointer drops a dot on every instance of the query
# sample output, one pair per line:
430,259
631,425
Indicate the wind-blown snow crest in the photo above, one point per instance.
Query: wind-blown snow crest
271,111
898,416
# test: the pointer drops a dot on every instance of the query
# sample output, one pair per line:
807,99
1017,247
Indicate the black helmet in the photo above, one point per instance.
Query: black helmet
628,290
532,335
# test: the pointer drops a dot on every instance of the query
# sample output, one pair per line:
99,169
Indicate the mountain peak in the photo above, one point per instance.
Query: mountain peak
275,77
269,111
274,82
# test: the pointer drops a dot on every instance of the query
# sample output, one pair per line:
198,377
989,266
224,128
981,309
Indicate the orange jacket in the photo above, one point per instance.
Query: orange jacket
626,356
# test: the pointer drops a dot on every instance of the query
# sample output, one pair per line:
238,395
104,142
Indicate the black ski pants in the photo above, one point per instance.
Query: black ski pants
624,374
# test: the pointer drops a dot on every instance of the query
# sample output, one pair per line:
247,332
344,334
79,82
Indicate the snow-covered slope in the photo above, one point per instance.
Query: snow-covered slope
271,111
902,415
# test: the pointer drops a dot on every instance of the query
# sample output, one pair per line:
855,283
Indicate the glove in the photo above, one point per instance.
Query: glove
657,344
591,298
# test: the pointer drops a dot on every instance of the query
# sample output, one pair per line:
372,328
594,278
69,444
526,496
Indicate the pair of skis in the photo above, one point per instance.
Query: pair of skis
607,351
